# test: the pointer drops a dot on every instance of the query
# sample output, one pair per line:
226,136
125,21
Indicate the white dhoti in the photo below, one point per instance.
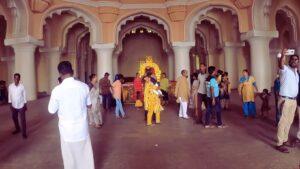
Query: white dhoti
77,155
183,108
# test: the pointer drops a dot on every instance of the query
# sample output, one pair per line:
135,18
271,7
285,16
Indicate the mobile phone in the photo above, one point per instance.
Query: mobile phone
290,52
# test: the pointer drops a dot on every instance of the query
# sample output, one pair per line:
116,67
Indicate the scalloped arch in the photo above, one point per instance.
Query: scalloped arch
8,20
293,20
213,22
89,19
197,14
131,17
202,35
68,27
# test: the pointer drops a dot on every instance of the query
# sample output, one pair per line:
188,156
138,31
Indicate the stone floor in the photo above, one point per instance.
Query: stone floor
129,144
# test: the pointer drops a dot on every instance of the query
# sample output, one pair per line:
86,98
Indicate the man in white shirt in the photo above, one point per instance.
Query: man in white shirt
70,100
201,93
17,100
289,80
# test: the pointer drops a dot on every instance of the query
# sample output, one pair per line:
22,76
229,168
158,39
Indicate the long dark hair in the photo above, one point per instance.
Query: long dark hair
117,77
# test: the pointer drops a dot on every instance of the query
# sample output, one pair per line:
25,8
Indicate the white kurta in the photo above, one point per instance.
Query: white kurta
70,100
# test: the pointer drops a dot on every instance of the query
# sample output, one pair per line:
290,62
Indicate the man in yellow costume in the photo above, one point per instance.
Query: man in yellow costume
151,100
246,89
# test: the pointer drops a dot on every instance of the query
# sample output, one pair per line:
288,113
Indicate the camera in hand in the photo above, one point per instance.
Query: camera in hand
290,52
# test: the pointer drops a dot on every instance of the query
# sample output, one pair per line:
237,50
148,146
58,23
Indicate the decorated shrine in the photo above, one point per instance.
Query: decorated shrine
148,65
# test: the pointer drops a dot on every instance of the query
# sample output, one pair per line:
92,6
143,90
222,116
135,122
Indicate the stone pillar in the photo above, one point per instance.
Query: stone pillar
53,55
24,49
231,62
115,65
9,60
260,57
104,59
181,56
171,67
25,65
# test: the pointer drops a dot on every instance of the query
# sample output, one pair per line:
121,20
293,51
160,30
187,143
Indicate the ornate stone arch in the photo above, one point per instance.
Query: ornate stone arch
93,22
202,35
8,19
81,36
161,34
213,22
197,14
68,27
131,17
293,20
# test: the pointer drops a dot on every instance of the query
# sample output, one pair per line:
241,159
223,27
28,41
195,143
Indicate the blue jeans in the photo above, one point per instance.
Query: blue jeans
119,108
213,108
249,109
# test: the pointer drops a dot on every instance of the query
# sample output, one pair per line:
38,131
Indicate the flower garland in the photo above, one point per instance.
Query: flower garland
149,64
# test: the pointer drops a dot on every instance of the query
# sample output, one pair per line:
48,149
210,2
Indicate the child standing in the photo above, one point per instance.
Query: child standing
265,103
225,90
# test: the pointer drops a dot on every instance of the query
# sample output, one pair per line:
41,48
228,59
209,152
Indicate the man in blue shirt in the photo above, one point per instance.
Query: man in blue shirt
213,101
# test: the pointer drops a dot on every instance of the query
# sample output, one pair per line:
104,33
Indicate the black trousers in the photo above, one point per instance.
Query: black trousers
15,117
213,108
165,95
106,101
201,99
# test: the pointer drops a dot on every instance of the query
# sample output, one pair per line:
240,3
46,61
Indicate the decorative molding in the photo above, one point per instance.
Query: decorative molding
69,26
39,6
267,7
49,50
120,5
293,20
26,39
242,4
192,23
103,46
202,35
19,14
177,13
183,44
11,4
258,33
151,17
90,20
213,22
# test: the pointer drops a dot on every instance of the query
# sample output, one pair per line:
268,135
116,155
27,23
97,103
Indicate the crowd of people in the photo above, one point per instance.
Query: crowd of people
79,105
